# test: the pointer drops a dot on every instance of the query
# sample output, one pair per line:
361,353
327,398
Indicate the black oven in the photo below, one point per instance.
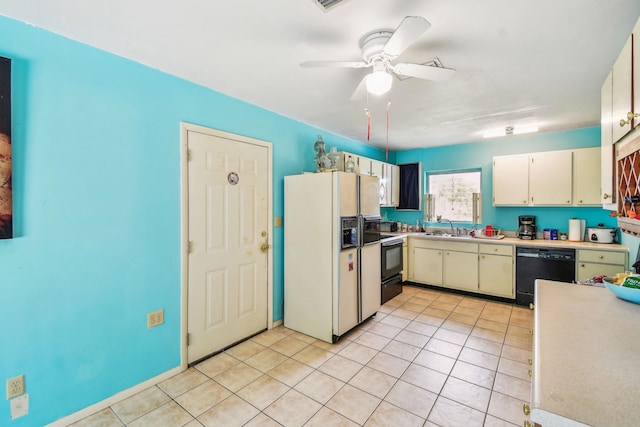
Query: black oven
370,229
391,267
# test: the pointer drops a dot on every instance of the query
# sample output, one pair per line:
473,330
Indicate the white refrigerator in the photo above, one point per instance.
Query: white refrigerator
327,289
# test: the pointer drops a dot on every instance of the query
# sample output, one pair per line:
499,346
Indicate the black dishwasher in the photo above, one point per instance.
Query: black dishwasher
541,263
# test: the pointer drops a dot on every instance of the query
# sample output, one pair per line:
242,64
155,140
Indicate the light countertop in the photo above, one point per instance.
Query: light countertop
514,241
586,364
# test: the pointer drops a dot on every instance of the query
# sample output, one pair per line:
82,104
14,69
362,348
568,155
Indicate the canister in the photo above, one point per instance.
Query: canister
553,233
546,234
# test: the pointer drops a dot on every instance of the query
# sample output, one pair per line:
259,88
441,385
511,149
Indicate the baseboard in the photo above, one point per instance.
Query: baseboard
97,407
277,323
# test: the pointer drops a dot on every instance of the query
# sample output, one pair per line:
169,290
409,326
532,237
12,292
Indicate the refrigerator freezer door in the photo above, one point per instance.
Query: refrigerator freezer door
369,195
347,189
346,294
370,280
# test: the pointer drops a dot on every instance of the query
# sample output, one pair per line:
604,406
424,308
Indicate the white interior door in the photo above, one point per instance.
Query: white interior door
227,284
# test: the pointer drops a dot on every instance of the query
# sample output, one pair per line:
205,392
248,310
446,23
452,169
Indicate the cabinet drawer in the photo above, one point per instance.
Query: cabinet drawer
602,256
460,247
496,249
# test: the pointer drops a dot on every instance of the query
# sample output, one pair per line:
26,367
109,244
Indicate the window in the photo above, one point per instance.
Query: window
453,195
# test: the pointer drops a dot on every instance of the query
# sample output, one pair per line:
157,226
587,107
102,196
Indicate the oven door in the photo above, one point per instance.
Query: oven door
391,258
370,229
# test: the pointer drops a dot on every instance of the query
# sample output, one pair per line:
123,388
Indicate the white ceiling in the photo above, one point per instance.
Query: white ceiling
518,62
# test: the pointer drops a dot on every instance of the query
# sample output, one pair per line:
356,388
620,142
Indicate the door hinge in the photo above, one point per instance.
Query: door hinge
188,339
188,247
188,155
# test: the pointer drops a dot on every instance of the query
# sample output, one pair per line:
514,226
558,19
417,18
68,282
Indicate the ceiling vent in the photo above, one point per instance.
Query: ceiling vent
326,5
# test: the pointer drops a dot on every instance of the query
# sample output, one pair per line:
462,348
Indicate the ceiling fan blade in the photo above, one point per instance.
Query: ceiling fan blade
361,90
406,34
426,72
335,64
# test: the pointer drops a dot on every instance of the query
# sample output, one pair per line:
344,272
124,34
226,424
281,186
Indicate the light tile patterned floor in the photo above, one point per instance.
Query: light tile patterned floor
428,358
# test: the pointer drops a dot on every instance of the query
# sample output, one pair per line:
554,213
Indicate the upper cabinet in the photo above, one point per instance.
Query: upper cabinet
621,91
607,157
388,175
511,180
620,98
552,178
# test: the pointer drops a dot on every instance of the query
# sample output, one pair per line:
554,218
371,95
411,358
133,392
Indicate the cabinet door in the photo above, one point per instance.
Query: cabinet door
586,176
550,176
385,181
587,270
636,72
607,157
395,185
405,260
495,275
460,270
376,168
511,180
426,265
622,78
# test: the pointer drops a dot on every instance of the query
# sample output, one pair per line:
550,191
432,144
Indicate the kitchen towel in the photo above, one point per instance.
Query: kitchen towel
576,229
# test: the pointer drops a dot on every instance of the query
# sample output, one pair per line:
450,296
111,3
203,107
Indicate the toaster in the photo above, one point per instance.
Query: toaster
388,226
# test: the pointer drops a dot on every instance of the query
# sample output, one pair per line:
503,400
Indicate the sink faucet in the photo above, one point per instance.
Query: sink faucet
440,219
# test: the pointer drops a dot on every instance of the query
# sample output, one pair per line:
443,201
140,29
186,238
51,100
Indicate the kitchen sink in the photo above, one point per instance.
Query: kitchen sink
450,236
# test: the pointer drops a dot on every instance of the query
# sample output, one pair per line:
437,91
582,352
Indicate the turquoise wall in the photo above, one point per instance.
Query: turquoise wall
96,152
479,155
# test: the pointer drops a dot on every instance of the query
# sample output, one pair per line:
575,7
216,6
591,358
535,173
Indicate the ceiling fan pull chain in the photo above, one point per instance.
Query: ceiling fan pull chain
387,148
366,111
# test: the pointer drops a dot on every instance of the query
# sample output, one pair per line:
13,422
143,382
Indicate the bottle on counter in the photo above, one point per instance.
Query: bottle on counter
418,228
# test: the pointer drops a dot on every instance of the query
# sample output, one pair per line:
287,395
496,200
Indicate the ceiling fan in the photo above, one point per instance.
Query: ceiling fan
380,48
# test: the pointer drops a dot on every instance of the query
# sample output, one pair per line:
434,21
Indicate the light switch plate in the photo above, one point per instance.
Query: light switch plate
19,406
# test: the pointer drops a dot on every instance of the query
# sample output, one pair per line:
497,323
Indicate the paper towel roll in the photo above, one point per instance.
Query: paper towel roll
575,225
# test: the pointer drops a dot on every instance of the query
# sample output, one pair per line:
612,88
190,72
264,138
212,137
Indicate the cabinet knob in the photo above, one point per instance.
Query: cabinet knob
568,201
530,361
580,201
601,257
482,256
526,409
630,116
524,202
495,249
531,306
605,196
530,373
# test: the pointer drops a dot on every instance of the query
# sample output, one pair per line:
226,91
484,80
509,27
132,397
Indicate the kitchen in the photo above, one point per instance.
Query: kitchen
84,211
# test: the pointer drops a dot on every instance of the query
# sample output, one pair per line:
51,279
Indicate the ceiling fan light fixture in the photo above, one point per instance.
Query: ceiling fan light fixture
379,81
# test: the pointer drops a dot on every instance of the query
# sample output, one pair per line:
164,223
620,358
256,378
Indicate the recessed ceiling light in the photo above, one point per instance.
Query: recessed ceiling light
509,130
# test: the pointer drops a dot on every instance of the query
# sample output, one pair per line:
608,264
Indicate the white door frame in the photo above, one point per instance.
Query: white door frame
184,238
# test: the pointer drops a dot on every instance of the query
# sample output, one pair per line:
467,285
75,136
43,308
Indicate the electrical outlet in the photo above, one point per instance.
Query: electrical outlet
155,318
19,406
15,386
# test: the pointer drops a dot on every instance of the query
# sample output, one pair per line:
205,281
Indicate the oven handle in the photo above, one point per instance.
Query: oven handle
392,242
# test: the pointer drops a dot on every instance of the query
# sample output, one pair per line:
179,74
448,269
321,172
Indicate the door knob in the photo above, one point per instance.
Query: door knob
264,247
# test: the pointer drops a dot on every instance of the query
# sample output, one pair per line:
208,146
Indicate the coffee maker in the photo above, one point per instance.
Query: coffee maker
526,227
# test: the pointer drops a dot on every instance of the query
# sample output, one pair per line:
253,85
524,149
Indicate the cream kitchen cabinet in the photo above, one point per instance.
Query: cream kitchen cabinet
586,176
511,180
550,178
375,169
622,90
388,174
460,266
395,185
425,263
599,262
636,73
607,150
495,270
405,259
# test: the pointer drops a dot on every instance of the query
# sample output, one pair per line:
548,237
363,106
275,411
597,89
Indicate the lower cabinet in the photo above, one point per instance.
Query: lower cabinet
460,269
425,266
495,270
594,263
405,260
